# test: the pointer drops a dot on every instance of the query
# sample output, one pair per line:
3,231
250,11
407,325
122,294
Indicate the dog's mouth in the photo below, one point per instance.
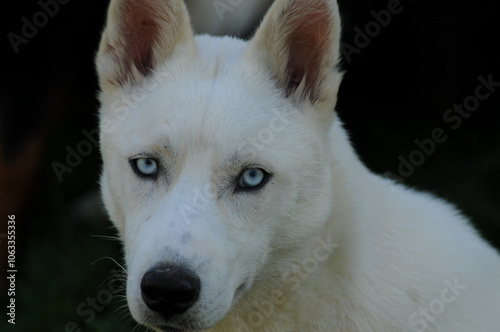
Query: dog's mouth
176,324
170,329
241,290
175,328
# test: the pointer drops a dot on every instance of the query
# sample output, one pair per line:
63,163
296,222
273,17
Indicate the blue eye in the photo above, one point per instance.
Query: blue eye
252,178
146,166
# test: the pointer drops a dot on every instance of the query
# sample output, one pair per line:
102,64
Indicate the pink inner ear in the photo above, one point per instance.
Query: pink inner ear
309,45
139,26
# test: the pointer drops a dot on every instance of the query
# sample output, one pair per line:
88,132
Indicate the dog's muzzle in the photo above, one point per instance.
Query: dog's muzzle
170,289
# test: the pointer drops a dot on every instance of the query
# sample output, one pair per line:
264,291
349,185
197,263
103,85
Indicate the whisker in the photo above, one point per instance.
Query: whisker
112,259
106,237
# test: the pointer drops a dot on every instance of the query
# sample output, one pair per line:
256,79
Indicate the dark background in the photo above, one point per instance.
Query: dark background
396,90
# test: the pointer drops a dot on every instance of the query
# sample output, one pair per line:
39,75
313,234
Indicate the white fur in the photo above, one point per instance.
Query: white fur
326,245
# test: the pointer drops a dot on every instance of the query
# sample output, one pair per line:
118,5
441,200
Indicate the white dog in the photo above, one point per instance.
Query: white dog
240,201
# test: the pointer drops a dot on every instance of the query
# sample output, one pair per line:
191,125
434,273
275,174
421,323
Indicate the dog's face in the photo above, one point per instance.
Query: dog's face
215,151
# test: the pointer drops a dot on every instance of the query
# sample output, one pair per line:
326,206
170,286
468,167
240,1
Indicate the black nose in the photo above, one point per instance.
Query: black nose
170,289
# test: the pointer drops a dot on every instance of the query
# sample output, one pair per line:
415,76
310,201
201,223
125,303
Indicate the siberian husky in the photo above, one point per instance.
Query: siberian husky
242,205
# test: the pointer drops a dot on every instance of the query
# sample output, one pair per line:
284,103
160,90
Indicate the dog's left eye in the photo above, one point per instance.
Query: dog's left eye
252,178
146,167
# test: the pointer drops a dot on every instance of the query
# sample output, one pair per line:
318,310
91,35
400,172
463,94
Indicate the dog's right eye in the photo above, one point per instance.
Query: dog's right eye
145,167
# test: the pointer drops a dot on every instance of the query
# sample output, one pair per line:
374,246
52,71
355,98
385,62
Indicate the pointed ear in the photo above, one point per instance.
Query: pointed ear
298,42
140,35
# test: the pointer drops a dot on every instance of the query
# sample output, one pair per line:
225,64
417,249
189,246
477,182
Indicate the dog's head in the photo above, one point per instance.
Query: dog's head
216,151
